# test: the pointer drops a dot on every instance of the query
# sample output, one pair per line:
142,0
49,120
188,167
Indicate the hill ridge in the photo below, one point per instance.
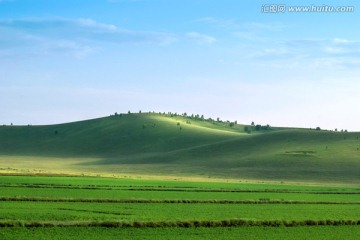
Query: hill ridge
152,143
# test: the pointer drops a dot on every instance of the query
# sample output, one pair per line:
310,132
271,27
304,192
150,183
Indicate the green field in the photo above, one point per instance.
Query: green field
165,176
256,233
62,207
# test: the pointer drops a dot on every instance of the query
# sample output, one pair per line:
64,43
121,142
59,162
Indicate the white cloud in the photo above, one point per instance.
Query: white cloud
258,31
200,38
93,24
261,26
305,53
79,51
249,36
80,35
221,23
333,50
340,40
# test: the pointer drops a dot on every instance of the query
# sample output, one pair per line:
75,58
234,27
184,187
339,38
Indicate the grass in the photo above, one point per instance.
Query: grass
62,207
176,146
228,233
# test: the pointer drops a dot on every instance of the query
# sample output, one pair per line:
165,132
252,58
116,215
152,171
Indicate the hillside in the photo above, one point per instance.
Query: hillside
157,144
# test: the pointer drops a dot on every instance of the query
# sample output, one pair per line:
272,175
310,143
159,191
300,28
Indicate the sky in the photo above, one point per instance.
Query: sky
70,60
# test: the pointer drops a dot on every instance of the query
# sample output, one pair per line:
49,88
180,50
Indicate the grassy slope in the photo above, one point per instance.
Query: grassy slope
111,136
152,143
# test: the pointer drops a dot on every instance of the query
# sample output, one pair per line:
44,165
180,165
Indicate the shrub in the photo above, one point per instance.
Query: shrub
137,224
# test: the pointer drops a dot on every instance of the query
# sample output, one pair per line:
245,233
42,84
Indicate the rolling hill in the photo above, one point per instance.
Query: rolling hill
165,144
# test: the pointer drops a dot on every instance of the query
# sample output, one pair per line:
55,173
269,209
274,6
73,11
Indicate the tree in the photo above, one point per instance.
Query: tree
318,128
267,127
252,123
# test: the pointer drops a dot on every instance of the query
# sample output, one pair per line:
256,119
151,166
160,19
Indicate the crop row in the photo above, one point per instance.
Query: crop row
174,201
93,211
175,183
72,186
126,194
349,232
239,190
185,224
176,189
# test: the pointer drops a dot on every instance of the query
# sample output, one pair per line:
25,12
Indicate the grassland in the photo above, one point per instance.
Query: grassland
165,176
174,146
62,207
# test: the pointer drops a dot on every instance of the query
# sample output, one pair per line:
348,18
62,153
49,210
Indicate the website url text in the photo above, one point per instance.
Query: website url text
283,8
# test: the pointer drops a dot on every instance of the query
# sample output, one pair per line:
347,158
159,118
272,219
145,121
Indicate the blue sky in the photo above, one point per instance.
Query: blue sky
70,60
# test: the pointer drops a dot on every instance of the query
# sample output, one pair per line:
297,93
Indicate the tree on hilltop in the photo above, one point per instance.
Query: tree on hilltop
247,129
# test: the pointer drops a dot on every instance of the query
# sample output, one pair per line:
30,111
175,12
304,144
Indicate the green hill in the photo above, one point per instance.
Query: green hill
162,144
